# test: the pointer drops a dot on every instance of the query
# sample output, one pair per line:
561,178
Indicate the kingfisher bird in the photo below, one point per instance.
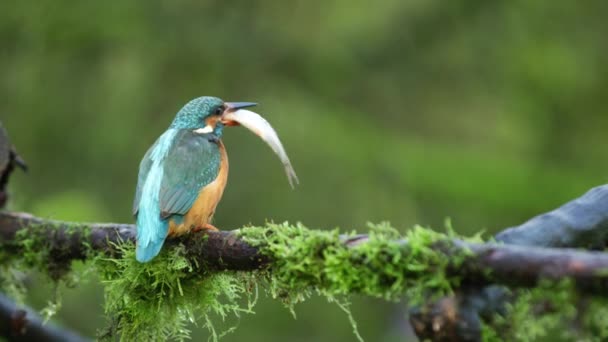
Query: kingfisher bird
182,176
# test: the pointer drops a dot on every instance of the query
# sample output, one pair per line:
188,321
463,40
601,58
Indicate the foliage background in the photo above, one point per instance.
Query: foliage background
488,112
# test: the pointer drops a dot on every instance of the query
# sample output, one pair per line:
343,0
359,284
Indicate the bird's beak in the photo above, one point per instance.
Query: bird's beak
240,105
236,115
232,107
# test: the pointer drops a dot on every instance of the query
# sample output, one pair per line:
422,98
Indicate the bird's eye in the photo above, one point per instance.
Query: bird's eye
219,110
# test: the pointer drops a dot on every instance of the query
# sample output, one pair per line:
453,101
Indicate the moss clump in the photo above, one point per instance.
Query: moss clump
45,249
156,301
550,312
11,283
595,320
388,265
520,322
309,261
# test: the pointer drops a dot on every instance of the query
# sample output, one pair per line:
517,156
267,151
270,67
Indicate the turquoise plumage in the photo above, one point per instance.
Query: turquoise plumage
151,227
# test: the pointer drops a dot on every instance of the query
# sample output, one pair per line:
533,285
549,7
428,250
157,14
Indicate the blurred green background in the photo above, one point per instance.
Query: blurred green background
488,112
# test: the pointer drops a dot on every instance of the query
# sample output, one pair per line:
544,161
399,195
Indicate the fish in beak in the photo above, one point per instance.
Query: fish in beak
235,115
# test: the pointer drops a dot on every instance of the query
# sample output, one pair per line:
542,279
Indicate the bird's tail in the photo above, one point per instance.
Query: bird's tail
145,253
151,236
151,228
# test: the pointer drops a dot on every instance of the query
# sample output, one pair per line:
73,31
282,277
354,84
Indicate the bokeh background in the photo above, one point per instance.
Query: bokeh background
487,112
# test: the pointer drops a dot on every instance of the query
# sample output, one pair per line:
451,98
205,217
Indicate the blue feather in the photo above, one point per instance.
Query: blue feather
151,228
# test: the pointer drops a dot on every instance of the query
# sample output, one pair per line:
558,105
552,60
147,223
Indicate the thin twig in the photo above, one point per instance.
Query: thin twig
20,324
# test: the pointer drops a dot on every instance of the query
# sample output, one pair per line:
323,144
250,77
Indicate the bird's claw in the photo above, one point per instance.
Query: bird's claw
205,227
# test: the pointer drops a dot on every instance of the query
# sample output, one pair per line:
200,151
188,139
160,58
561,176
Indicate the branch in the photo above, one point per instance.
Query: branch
23,324
582,222
224,250
215,250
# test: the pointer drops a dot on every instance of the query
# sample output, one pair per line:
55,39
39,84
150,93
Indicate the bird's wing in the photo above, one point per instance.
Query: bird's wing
144,169
192,162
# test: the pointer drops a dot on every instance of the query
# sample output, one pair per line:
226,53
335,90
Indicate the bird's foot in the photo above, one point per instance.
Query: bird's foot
206,227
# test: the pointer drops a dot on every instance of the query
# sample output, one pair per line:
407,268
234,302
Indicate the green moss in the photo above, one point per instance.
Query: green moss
47,254
313,261
555,301
550,312
11,283
156,301
595,320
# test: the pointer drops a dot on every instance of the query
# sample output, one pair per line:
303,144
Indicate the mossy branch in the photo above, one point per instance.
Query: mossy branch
473,263
70,241
580,223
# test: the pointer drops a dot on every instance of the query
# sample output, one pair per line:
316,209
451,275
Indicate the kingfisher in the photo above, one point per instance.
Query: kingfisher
183,174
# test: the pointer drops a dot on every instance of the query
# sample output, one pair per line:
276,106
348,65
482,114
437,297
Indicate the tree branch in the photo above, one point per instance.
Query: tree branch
582,222
23,324
215,250
509,264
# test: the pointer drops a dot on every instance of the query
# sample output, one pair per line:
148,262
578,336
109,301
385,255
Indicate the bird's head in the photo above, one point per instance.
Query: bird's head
209,115
205,115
